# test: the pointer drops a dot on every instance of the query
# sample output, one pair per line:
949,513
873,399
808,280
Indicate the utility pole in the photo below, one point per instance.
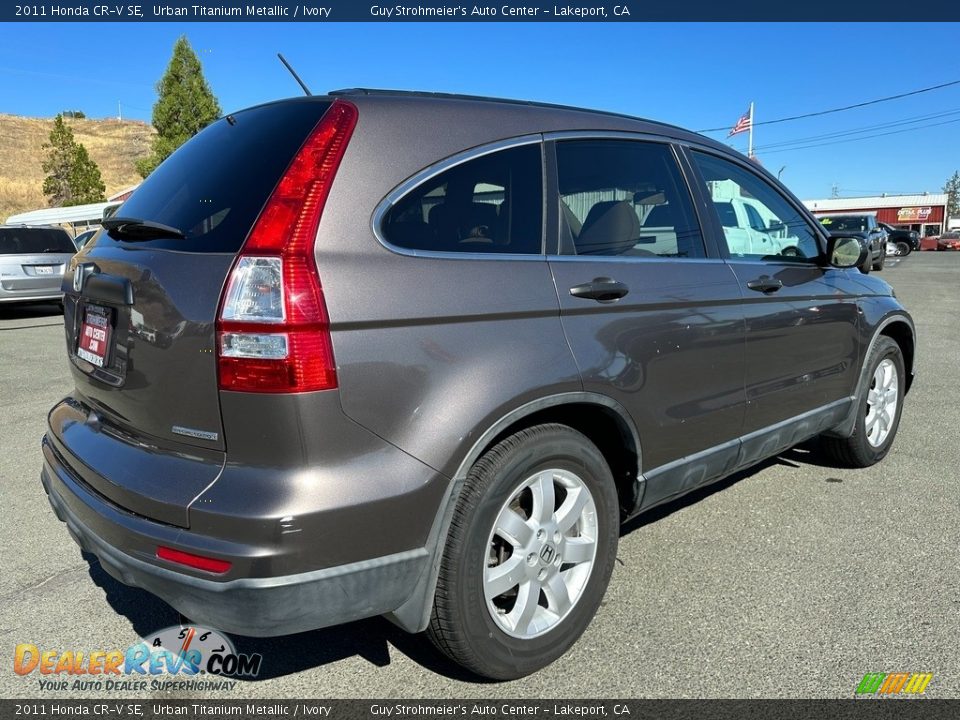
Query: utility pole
750,141
119,112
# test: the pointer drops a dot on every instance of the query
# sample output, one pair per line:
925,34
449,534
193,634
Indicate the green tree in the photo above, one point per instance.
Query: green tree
184,107
73,178
952,189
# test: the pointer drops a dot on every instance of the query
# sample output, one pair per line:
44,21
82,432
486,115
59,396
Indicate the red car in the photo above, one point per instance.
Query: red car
949,240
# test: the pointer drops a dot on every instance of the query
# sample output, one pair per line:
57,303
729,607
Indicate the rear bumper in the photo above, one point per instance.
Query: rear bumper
32,296
265,606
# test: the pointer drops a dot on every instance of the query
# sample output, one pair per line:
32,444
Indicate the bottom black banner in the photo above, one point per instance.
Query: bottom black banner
499,709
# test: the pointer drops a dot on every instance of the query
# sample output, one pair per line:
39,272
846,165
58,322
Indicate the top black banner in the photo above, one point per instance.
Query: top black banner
316,11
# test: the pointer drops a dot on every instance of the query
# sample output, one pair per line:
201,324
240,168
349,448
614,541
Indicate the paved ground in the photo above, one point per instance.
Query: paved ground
791,580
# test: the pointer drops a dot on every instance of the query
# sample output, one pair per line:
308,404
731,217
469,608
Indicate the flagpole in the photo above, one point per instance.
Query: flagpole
750,141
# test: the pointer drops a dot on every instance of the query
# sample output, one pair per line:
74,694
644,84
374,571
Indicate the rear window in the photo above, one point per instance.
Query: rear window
213,188
34,241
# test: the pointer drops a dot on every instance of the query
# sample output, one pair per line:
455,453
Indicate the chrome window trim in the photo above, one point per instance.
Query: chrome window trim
430,172
633,259
608,135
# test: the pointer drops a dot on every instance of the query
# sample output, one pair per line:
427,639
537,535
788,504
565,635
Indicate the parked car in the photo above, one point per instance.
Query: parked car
84,237
903,242
370,398
32,261
864,226
949,240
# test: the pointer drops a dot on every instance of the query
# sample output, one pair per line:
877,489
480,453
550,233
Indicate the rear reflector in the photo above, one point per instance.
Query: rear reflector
195,561
273,333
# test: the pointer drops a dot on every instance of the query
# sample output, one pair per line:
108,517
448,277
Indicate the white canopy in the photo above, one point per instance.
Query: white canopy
92,213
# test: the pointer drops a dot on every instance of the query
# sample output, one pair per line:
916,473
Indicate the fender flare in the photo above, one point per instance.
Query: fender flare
414,614
846,427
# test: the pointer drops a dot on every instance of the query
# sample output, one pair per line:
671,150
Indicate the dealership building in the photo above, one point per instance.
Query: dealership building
926,213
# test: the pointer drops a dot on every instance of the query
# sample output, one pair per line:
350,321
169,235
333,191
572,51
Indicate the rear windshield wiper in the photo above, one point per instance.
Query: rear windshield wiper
133,230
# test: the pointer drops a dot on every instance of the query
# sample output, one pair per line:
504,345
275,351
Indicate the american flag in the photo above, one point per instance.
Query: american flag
743,124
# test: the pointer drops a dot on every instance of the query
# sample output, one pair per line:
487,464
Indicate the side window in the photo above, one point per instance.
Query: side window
758,221
492,204
625,198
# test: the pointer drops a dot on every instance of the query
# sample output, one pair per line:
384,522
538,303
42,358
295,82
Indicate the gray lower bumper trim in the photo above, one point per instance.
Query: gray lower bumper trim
262,606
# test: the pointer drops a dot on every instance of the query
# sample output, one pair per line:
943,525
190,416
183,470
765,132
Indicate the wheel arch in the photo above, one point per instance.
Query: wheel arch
600,418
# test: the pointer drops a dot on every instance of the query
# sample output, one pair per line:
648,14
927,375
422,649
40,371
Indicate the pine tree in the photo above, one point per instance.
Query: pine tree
952,189
184,107
73,178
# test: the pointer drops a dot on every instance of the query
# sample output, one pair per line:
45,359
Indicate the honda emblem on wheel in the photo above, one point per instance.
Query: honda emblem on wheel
546,554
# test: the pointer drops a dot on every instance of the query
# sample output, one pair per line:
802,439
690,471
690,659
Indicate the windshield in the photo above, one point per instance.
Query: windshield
34,241
846,223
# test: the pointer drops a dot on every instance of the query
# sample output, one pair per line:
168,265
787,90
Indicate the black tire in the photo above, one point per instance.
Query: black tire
878,264
856,451
903,248
461,625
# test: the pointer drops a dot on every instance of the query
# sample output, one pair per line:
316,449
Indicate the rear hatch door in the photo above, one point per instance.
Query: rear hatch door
141,302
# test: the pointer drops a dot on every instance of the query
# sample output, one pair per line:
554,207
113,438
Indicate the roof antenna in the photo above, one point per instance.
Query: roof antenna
293,72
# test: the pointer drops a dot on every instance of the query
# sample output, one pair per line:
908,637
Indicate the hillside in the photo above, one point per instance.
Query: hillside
114,145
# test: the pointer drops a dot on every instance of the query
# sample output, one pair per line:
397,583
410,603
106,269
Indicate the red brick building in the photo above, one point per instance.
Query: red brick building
927,213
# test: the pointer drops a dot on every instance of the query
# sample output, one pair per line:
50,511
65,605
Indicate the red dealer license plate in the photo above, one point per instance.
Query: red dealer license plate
94,342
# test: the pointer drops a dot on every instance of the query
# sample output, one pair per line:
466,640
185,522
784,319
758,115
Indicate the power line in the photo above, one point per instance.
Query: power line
845,107
861,130
864,137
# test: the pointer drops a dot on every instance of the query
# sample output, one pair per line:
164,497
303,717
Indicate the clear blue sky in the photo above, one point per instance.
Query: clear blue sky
694,75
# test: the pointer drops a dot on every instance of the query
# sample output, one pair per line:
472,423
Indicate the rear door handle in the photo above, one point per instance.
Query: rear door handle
765,284
601,289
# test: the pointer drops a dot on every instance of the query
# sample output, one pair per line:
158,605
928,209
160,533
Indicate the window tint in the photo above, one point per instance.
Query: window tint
758,222
34,241
626,198
845,223
214,186
492,204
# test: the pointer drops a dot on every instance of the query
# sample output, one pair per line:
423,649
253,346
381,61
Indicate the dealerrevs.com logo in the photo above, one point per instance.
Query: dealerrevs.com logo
181,652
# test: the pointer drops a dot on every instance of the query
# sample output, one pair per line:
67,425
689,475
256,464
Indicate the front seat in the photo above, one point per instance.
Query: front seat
611,228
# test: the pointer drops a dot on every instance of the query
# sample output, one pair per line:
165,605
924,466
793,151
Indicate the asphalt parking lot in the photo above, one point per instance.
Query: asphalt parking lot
790,580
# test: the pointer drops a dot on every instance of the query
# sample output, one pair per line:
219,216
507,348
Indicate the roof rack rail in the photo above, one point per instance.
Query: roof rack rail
484,98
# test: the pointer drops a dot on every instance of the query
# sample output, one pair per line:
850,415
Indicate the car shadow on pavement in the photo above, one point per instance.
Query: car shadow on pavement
369,639
373,638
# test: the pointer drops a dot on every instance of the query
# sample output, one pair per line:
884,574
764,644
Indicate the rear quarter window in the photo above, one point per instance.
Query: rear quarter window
490,204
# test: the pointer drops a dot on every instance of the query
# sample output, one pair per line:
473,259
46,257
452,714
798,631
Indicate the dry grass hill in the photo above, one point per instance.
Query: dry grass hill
114,145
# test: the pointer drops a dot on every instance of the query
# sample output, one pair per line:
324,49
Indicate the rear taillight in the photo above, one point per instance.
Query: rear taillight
273,333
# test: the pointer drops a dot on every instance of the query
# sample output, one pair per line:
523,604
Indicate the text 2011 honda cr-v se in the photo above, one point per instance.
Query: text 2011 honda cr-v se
381,353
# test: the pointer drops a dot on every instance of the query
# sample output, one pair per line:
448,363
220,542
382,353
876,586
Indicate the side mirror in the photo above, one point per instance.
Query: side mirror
845,252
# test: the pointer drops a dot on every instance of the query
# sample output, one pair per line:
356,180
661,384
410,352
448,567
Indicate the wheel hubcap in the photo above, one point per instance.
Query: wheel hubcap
882,400
540,553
